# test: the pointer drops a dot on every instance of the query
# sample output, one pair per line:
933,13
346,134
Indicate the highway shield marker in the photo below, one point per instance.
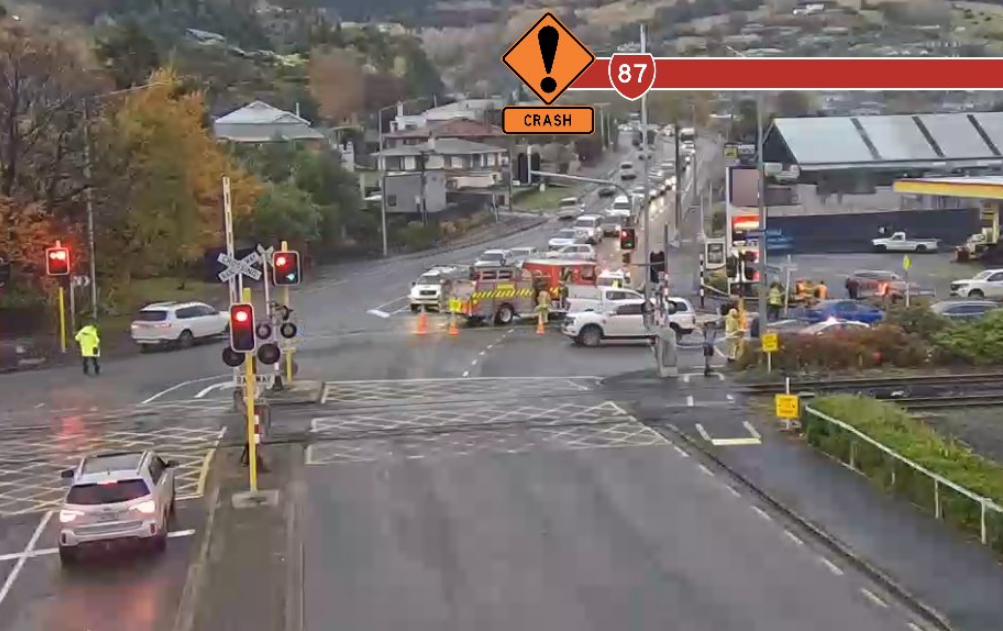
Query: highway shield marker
632,75
548,58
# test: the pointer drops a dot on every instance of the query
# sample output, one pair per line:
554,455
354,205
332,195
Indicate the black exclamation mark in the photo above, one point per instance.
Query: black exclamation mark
548,37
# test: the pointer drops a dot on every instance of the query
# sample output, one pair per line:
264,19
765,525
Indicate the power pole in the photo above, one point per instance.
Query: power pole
760,161
646,238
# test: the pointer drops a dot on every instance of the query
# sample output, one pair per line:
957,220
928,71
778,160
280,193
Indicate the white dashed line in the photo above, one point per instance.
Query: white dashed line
686,378
871,596
835,569
466,373
706,470
482,353
914,626
490,346
790,535
510,331
762,513
720,376
681,452
732,490
473,363
689,400
730,397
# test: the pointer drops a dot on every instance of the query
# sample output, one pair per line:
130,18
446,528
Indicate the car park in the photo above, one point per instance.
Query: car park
492,258
577,252
114,498
562,238
963,310
177,323
986,284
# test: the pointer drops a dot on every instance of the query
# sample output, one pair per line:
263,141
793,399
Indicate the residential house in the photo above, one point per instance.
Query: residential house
465,164
484,110
457,129
259,122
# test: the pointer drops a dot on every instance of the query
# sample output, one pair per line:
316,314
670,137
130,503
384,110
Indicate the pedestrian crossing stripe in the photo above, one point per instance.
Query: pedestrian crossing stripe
502,293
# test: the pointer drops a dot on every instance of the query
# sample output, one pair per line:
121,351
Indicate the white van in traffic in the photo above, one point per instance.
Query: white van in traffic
588,228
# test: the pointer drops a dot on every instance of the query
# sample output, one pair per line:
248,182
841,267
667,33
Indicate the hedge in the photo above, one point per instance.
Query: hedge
854,349
891,426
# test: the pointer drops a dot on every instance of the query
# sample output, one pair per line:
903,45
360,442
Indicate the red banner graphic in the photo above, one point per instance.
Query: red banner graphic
804,73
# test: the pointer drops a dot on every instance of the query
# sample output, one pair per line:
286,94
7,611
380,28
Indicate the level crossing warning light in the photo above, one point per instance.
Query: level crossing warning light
57,260
286,268
242,328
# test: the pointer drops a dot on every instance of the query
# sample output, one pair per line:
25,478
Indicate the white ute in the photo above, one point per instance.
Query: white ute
899,242
985,284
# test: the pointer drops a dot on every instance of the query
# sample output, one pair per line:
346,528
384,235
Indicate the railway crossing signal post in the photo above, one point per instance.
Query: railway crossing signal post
243,339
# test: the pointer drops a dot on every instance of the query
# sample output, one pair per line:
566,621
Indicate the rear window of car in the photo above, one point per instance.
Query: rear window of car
121,491
151,315
587,222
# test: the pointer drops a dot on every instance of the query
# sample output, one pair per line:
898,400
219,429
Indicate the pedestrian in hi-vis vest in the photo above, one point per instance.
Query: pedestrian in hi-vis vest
90,347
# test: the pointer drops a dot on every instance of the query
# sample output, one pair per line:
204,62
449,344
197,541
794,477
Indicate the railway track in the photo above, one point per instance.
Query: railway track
923,392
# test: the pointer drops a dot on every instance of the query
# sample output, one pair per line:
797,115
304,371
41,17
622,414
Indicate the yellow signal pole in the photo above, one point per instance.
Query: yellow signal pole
285,299
62,318
249,391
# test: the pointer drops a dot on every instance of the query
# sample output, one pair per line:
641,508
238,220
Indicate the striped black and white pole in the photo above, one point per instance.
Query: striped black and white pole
702,280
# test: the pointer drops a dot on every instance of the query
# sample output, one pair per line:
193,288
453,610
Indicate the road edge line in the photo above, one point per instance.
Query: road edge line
872,571
196,576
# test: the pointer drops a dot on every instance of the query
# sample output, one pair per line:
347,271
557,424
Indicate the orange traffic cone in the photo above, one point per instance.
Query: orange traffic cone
422,323
453,329
540,330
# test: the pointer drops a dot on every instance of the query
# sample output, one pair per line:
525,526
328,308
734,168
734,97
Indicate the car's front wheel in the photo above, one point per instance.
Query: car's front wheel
591,336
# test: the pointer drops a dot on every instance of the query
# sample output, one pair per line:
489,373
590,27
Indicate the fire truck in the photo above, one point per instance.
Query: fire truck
502,294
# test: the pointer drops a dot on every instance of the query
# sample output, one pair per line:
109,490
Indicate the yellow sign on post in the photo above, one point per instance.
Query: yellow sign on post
788,406
771,342
906,262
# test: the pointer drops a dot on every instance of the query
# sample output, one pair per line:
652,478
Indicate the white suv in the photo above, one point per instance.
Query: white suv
117,497
181,323
588,228
985,284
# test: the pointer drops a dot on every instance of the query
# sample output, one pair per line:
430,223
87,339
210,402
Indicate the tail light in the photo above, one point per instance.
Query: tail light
147,507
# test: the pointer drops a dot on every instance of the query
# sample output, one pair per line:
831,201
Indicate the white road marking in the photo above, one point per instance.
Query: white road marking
703,433
686,378
377,312
24,556
473,363
490,346
835,569
216,386
720,375
732,490
466,373
790,535
482,353
914,626
689,400
752,430
706,470
730,397
440,379
383,306
178,386
681,451
871,596
762,513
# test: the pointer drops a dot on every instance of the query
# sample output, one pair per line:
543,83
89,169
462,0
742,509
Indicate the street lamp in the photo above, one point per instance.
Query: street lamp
381,165
88,192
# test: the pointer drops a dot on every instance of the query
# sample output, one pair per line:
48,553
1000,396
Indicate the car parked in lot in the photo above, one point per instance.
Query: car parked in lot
843,310
177,323
117,497
963,310
986,284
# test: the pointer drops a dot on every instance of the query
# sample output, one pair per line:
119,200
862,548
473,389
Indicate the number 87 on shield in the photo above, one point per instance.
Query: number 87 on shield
632,75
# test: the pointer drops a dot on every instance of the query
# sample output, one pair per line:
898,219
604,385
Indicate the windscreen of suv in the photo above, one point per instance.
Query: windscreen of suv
121,491
152,315
492,256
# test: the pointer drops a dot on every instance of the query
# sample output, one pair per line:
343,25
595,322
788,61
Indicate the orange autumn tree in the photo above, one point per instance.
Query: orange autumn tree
26,230
172,166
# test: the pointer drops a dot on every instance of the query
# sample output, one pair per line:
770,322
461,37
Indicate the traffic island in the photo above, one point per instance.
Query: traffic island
303,392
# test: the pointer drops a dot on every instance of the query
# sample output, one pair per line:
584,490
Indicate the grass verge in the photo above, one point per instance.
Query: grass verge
535,199
891,426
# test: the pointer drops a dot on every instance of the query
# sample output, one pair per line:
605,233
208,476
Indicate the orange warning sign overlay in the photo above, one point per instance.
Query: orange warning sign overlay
548,58
548,120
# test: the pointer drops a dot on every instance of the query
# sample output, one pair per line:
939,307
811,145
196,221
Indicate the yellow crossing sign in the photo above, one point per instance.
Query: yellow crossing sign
788,406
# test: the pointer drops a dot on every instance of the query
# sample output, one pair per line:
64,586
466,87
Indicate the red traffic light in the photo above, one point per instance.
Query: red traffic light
281,260
242,338
57,261
241,315
286,268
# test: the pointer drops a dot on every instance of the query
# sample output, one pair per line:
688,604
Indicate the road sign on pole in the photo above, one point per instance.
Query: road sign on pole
236,267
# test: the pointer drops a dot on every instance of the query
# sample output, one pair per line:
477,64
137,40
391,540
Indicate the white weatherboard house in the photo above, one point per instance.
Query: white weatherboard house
260,122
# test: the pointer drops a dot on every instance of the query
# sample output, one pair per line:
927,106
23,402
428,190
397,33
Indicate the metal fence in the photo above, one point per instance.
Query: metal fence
947,500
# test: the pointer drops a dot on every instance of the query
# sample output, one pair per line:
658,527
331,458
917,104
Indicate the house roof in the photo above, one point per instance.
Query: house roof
260,122
455,128
442,146
935,140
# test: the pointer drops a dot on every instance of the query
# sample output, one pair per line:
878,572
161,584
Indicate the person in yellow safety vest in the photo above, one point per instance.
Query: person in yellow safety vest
733,333
800,293
821,291
90,347
774,302
543,302
616,283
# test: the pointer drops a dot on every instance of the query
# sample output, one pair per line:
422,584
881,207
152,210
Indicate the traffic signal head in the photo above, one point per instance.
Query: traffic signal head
627,239
731,265
286,267
57,261
242,337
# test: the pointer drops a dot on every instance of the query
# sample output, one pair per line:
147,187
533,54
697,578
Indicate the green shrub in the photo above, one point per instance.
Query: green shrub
891,426
979,342
917,320
855,349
